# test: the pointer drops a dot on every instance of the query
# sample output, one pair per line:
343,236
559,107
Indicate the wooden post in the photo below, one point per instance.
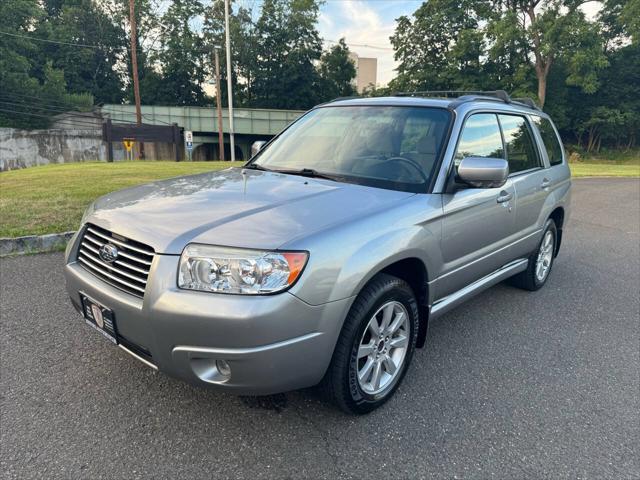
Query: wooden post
108,136
134,68
175,135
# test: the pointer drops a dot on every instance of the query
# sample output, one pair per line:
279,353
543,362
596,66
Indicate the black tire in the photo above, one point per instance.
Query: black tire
528,280
340,384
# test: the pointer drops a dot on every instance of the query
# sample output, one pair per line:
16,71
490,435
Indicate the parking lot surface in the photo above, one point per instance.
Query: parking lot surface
510,385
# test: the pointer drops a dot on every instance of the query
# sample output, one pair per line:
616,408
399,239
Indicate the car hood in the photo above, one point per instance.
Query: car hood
235,207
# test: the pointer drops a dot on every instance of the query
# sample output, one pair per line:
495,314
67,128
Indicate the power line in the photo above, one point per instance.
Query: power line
51,108
33,98
48,117
113,109
79,117
36,39
151,48
377,47
70,44
61,108
65,121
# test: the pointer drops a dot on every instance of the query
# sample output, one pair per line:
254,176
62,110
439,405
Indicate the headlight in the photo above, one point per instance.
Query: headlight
238,271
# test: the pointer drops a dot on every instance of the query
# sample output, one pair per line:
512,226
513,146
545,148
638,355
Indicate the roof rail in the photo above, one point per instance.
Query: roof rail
500,94
529,102
349,97
469,95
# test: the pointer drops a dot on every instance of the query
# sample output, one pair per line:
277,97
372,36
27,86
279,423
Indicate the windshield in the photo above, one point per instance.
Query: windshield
383,146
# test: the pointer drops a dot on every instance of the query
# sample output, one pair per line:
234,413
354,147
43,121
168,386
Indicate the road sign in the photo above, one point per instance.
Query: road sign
188,136
128,143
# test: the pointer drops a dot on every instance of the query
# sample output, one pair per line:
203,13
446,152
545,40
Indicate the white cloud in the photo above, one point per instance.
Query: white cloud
591,9
360,25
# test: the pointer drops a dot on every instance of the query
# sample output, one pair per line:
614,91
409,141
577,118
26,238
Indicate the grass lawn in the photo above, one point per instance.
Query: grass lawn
587,169
52,198
608,164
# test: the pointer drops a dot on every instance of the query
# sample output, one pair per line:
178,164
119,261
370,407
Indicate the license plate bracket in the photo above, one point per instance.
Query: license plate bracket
99,317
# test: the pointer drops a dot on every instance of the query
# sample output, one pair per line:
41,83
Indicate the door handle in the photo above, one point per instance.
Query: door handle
504,197
546,183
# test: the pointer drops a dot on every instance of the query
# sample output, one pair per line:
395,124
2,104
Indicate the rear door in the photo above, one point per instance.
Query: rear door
530,180
478,222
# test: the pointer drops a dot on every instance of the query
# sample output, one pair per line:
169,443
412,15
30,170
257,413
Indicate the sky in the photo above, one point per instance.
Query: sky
366,26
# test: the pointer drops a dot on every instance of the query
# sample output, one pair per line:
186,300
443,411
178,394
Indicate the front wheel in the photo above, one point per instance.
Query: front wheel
375,346
540,261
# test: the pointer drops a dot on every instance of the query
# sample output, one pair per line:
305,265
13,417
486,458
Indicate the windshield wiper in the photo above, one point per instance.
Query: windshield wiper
255,166
310,172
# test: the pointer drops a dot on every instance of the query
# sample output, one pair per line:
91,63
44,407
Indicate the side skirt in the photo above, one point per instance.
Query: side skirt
453,300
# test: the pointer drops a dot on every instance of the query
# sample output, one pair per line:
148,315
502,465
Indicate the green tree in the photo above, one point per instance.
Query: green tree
87,69
337,71
28,100
630,19
181,54
287,46
557,28
615,118
439,48
472,45
148,35
243,49
16,53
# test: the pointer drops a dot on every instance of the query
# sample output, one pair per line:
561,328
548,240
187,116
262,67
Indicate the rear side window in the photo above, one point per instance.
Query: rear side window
480,137
550,139
521,151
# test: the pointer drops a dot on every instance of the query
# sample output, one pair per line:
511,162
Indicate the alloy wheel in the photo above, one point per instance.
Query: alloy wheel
545,257
383,348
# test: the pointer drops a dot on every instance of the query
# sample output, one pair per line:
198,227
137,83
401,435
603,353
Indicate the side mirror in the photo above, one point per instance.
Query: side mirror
256,147
482,172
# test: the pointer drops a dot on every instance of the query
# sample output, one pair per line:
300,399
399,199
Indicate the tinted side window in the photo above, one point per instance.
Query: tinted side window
521,151
480,137
550,139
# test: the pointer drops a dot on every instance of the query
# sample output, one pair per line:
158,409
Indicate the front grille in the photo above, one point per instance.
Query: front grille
128,272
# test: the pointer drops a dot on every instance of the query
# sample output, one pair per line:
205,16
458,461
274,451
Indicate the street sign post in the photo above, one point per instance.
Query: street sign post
188,140
128,145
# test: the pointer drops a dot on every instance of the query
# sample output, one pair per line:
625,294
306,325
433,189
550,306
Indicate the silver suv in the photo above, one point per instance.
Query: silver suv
322,260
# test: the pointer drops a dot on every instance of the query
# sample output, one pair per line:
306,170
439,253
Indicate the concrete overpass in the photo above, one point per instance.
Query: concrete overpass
250,124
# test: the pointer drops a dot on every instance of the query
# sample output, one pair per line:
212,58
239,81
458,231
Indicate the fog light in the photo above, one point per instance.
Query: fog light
223,367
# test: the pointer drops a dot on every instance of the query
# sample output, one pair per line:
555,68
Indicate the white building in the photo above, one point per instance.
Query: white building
366,71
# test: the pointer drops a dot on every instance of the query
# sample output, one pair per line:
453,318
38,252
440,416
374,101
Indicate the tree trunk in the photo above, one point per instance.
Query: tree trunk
592,139
542,85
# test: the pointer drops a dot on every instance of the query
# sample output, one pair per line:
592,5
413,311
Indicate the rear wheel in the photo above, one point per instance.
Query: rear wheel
540,261
375,346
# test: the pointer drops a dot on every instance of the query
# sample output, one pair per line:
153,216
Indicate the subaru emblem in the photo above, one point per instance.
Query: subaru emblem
109,253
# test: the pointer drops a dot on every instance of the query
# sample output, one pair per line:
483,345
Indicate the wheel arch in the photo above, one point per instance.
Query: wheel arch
558,215
412,270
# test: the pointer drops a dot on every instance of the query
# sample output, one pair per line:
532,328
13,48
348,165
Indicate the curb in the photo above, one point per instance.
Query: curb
53,242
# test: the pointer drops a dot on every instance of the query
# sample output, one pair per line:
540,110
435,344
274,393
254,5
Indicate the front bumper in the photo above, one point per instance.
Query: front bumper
272,343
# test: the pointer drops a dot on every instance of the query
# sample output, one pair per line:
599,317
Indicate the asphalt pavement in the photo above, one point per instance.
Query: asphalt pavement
510,385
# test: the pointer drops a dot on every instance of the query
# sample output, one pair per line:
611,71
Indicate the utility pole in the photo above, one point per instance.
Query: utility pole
229,75
134,68
219,104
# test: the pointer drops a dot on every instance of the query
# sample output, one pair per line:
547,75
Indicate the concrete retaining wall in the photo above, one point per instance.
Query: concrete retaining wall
28,148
